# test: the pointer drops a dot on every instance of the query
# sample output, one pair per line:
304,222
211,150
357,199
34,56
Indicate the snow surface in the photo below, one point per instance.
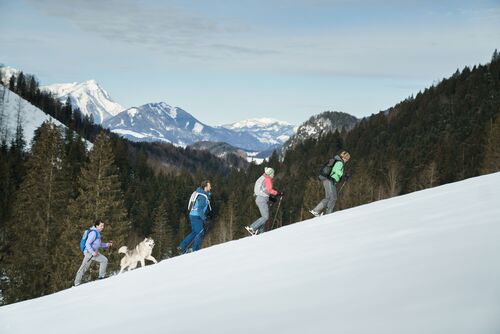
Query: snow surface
198,128
426,262
31,117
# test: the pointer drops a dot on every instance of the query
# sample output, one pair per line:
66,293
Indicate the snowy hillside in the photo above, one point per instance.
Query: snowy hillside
162,122
31,116
266,130
87,96
427,262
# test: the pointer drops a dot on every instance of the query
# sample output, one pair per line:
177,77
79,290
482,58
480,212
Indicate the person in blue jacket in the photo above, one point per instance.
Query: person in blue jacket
91,252
199,206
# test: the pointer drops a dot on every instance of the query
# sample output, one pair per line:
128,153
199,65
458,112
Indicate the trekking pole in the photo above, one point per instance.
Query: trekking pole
348,176
277,210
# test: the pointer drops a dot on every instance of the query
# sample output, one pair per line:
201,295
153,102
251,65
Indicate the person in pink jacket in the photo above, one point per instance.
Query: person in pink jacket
262,190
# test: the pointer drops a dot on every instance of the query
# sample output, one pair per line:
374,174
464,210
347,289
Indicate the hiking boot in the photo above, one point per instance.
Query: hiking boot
314,213
250,230
179,250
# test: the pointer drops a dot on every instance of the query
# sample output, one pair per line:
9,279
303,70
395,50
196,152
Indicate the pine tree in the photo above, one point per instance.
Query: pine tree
162,234
491,162
100,197
40,206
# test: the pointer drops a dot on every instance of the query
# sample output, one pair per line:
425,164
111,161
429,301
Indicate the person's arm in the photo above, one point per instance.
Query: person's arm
268,183
90,240
337,171
203,205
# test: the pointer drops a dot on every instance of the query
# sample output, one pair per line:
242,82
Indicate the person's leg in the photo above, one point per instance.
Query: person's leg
103,264
198,229
87,259
262,204
332,198
189,238
327,184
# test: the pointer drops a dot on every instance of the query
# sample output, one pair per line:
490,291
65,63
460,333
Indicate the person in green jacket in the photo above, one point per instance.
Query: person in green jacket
329,182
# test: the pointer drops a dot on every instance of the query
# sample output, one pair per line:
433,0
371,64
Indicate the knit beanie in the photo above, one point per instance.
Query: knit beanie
269,171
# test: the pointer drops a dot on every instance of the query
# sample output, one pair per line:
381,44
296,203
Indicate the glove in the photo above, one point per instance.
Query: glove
281,193
347,175
272,199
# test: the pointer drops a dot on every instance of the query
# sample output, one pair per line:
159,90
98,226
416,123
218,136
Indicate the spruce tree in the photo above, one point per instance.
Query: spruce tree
39,209
491,162
162,234
100,197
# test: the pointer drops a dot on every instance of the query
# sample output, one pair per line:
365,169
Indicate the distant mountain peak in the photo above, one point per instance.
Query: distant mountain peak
88,97
325,122
268,131
6,72
256,122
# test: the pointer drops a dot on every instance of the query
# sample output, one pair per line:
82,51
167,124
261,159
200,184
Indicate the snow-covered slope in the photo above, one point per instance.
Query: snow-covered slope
427,262
87,96
31,117
266,130
161,122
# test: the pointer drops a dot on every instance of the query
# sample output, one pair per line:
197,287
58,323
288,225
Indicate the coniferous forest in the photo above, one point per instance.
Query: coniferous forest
55,188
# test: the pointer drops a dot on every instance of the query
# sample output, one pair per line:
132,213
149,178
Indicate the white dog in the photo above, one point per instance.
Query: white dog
140,253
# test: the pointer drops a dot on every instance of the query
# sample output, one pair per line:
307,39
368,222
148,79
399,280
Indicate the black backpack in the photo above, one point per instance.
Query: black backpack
326,169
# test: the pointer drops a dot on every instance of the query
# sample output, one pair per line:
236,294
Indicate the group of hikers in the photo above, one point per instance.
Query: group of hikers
199,207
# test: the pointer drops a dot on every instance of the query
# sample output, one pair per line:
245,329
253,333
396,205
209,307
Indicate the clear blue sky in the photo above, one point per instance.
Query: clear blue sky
227,60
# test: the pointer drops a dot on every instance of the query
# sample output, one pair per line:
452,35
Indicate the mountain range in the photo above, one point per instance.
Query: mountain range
161,122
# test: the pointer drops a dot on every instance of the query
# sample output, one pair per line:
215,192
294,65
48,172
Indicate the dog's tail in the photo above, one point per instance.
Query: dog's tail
123,249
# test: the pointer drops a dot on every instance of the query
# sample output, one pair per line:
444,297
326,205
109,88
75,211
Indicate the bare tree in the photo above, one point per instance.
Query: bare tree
393,178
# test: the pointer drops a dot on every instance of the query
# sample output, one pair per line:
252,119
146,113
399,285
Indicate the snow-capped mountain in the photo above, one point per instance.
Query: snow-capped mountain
30,116
6,72
89,97
328,121
161,122
426,262
267,130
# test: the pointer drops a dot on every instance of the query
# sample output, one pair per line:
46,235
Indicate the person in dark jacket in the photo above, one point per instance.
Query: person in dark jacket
197,215
328,203
91,252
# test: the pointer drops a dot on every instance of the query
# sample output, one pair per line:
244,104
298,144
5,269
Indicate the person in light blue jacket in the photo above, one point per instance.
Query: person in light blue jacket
199,206
91,252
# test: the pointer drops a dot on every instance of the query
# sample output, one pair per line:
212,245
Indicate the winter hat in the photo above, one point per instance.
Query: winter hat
269,171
